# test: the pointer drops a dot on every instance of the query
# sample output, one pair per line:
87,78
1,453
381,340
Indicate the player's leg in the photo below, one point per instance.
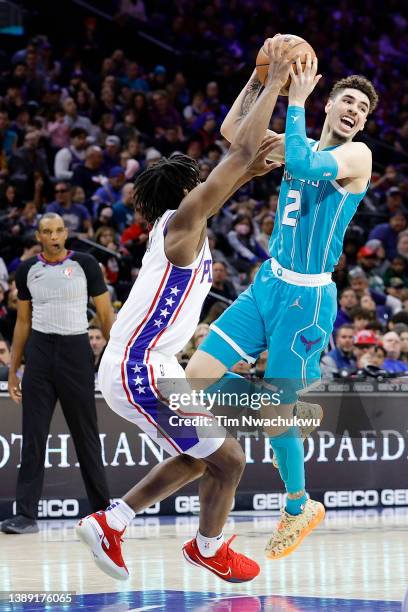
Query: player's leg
225,462
300,335
162,481
237,334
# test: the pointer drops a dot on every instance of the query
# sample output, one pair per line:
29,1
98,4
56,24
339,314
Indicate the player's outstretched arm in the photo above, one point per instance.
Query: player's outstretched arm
185,233
239,110
351,160
241,107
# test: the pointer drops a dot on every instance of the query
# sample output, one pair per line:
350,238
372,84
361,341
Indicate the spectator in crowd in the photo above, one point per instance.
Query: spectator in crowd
73,119
76,217
163,115
109,193
152,156
8,137
221,289
98,342
361,317
341,357
365,343
359,284
27,162
135,238
87,175
4,352
402,245
200,333
214,312
347,301
388,233
404,345
392,346
266,224
30,248
8,320
245,247
398,268
111,154
71,156
123,211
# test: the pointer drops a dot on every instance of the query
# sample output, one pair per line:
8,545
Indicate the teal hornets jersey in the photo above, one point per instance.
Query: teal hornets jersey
310,223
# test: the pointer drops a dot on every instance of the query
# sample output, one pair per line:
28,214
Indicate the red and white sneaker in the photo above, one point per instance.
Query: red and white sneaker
226,563
104,544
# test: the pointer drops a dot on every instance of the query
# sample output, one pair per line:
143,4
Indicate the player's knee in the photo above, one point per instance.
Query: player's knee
196,467
233,460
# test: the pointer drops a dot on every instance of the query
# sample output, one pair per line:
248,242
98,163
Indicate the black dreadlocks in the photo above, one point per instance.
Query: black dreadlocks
161,187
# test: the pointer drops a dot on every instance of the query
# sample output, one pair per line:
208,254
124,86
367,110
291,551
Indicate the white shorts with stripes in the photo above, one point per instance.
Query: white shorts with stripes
143,392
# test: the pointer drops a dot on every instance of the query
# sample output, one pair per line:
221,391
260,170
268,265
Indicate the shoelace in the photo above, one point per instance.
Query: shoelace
240,559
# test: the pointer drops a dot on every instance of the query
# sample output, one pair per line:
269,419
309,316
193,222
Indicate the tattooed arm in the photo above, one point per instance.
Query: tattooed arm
241,108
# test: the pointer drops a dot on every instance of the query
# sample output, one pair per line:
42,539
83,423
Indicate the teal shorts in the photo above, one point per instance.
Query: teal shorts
292,322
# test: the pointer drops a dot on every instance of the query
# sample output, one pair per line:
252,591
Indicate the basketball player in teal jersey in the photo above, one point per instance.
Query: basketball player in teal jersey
291,306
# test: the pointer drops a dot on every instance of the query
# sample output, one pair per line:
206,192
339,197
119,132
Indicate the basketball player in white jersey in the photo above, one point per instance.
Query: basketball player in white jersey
159,317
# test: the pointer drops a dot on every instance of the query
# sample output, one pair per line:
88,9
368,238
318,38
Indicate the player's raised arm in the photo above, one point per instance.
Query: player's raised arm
185,231
241,107
351,160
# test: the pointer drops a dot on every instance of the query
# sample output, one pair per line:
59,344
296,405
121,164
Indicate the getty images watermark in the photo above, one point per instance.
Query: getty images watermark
208,401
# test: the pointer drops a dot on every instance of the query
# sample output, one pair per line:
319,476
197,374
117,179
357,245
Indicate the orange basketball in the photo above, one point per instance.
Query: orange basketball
299,49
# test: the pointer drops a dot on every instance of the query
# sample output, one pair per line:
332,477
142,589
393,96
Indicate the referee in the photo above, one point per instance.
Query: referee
51,329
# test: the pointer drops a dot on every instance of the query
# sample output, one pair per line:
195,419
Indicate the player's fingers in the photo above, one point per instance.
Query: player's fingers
274,165
267,148
308,66
276,138
314,66
317,79
299,66
293,74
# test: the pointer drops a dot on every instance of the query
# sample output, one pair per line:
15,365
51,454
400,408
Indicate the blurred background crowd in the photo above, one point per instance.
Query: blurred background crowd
88,103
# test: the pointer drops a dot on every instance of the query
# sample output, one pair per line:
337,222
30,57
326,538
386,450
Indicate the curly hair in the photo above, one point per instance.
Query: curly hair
162,186
355,81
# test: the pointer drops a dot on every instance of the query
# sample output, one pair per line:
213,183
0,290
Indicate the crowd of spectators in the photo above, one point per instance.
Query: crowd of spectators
79,123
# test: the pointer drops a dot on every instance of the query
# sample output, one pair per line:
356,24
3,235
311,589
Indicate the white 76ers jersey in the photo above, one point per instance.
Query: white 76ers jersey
164,305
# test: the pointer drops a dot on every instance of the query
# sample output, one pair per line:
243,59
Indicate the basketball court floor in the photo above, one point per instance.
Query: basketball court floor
356,561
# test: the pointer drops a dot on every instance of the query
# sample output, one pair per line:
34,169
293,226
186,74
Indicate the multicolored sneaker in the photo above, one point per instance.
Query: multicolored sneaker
226,563
104,543
305,410
292,530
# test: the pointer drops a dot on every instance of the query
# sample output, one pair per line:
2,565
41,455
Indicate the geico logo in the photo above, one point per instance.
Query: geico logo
187,503
353,499
55,508
394,497
190,503
268,501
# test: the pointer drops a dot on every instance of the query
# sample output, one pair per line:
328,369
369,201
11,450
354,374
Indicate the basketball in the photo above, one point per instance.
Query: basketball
300,48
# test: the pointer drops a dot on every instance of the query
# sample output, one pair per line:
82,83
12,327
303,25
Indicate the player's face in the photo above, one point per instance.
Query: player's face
347,113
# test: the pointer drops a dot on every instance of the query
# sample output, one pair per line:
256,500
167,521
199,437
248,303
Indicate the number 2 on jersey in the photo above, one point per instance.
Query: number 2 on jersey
291,207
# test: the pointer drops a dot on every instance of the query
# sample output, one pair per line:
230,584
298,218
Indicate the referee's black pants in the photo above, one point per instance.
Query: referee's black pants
59,367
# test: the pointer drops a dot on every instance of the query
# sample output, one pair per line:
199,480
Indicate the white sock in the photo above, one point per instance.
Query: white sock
209,546
119,515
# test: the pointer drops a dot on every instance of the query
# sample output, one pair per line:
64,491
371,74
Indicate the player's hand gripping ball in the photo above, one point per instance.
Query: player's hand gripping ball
300,48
